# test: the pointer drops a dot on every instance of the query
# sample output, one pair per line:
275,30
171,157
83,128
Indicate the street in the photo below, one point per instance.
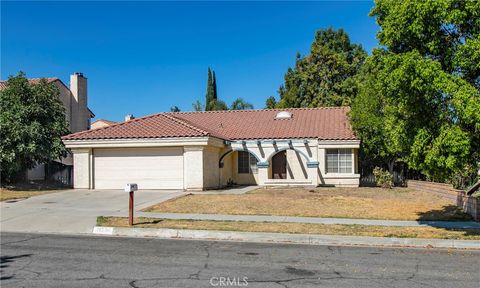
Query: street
47,260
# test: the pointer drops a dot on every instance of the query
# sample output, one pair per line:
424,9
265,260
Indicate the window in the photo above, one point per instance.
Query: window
339,161
247,163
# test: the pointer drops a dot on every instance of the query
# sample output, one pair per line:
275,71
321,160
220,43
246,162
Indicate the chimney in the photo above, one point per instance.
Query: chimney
78,86
80,113
129,117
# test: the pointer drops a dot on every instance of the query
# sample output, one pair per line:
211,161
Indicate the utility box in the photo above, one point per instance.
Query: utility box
130,187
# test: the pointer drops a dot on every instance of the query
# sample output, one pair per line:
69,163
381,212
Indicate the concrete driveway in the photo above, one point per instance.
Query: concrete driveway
73,211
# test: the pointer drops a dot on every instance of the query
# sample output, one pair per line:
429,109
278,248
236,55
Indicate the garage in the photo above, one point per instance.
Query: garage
150,168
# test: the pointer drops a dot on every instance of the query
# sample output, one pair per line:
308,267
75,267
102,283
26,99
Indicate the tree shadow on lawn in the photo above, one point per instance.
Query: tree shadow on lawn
447,213
451,213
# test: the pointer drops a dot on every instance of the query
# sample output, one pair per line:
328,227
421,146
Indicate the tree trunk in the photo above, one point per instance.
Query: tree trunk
390,166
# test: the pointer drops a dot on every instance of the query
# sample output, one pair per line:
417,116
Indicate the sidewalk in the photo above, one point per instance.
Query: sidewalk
312,220
228,191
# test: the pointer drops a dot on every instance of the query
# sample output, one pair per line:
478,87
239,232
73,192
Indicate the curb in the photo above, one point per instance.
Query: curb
262,237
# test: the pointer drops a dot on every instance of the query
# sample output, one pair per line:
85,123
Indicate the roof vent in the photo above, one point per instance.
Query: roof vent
283,115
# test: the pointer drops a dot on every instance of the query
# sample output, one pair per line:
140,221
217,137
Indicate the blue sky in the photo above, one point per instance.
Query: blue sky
144,57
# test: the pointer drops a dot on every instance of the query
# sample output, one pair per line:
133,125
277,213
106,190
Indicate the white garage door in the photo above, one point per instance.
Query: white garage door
150,168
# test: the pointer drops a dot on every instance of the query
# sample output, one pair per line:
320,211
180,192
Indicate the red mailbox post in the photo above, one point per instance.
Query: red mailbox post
130,188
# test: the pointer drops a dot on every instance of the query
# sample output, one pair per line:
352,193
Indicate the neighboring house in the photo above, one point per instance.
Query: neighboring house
100,123
202,150
77,114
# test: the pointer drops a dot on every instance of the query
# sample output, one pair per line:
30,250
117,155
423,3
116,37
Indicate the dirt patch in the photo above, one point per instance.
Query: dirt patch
6,194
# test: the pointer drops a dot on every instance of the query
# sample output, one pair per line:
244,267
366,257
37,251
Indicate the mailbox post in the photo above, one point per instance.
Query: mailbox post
130,188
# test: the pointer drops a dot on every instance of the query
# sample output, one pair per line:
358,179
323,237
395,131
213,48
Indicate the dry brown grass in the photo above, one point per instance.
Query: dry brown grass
6,194
369,203
296,228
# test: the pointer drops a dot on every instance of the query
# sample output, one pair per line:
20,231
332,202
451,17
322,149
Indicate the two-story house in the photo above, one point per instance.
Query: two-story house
75,101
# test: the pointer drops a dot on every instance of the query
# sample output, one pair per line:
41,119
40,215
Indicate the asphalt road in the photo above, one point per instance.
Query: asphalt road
42,260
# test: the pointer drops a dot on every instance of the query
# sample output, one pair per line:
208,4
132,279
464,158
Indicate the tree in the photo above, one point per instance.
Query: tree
212,103
211,99
197,106
214,87
419,100
409,109
174,109
240,104
325,77
270,103
443,30
32,120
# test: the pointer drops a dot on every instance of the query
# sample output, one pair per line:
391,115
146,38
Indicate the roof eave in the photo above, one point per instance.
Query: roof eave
143,142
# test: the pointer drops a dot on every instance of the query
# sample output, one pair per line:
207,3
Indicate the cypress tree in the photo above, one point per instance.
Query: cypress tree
214,87
209,100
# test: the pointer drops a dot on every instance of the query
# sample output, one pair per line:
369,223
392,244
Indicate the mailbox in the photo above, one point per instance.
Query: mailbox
130,187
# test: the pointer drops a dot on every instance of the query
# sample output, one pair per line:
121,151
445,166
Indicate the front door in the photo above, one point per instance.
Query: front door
279,165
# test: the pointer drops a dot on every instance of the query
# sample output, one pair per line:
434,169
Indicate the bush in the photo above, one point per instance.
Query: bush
383,178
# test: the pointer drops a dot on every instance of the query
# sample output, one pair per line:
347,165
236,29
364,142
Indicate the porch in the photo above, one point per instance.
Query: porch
291,162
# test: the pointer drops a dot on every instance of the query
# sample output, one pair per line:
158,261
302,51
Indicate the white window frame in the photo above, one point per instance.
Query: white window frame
348,161
252,163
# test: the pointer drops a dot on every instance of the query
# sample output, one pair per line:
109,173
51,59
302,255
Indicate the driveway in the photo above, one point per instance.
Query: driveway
73,211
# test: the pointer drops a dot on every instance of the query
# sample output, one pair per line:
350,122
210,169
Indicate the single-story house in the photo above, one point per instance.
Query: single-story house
203,150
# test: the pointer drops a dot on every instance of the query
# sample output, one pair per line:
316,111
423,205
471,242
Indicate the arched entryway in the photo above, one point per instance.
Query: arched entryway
279,165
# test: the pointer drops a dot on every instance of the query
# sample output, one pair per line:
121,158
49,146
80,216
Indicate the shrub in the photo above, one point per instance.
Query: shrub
383,178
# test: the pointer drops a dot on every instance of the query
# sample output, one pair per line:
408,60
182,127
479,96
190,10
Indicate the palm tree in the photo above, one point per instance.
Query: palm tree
240,104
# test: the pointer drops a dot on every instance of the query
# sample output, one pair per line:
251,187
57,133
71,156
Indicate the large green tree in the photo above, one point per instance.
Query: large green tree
325,77
408,109
32,121
447,31
418,101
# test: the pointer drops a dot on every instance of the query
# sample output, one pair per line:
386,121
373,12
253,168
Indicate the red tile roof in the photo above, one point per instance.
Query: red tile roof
3,83
327,123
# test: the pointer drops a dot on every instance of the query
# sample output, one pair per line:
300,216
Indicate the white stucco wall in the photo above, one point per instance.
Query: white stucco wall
211,172
82,168
80,117
227,172
193,168
66,98
296,166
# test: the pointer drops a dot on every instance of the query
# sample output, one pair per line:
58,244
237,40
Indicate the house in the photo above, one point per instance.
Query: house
203,150
74,99
100,123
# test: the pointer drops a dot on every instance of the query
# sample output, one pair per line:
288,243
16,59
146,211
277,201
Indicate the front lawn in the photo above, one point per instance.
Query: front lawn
7,194
367,203
296,228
